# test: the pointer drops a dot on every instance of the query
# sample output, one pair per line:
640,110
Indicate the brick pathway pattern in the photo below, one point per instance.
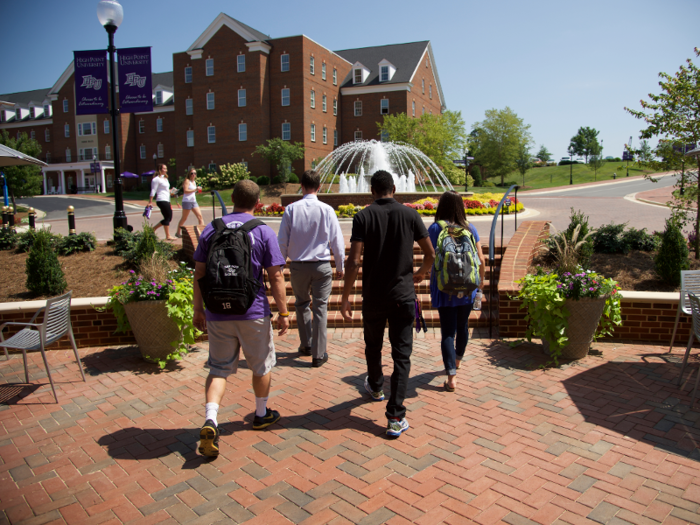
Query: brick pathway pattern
609,439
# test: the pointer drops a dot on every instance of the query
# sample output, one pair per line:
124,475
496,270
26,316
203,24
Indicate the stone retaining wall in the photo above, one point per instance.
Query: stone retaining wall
362,199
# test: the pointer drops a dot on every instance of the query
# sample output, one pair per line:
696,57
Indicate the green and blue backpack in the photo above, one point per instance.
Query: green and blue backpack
456,260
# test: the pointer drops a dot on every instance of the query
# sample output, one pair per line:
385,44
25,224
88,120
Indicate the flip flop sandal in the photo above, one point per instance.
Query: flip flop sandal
448,388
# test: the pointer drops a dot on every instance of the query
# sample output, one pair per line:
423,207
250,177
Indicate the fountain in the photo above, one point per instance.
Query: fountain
355,162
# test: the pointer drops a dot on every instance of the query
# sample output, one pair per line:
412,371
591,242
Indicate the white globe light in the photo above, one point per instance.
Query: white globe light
110,12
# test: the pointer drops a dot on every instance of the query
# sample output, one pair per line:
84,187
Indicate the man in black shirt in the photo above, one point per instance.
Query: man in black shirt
386,230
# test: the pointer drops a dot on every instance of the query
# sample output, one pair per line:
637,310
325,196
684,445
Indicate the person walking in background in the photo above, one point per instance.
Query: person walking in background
453,311
160,189
386,231
251,331
189,202
308,233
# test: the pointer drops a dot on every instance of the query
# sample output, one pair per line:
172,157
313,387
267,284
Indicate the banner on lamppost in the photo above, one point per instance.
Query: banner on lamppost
91,90
135,91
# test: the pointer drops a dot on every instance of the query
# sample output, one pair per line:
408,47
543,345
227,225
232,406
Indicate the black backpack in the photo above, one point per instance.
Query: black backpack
228,286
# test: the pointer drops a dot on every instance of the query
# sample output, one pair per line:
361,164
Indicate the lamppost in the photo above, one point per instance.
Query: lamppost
571,165
110,14
466,159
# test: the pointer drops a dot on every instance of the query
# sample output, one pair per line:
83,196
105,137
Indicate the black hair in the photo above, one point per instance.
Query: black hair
382,183
311,180
451,209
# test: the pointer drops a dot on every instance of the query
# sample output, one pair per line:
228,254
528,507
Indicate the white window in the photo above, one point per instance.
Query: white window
31,112
245,163
47,110
65,106
358,77
241,98
47,135
142,150
87,128
325,104
312,69
325,135
212,167
286,131
211,134
358,135
358,108
285,97
426,62
335,77
159,125
384,76
190,138
323,71
3,116
313,132
188,75
66,130
188,106
335,106
48,157
105,126
159,98
108,153
284,62
142,126
210,67
242,132
69,157
241,63
335,138
423,111
422,85
413,107
430,90
32,135
161,151
313,98
384,136
384,108
210,101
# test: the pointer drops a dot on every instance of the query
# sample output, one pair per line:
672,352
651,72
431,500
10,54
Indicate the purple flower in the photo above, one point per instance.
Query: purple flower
131,291
591,289
132,271
160,286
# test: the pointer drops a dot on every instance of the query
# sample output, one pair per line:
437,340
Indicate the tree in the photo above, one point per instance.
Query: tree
497,140
673,114
584,142
441,137
596,162
644,153
544,155
524,160
281,153
22,181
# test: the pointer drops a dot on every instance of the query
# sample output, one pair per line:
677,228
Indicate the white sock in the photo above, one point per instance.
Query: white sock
260,406
212,411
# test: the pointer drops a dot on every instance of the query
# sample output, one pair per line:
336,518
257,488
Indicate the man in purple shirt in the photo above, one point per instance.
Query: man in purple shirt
251,331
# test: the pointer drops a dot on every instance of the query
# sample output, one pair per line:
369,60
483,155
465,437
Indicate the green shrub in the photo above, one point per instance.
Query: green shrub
228,176
575,241
124,241
25,240
134,247
278,179
610,239
147,245
8,238
476,173
672,257
641,240
488,184
293,179
263,181
44,273
254,179
83,242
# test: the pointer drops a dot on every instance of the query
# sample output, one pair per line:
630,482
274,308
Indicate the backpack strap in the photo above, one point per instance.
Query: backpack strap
443,224
219,225
247,226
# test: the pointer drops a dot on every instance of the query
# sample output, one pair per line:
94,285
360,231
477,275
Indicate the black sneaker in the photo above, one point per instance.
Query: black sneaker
305,350
317,362
209,439
261,423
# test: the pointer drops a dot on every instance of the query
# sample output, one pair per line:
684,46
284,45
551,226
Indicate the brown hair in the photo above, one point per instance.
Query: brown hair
159,168
245,194
190,173
311,180
451,209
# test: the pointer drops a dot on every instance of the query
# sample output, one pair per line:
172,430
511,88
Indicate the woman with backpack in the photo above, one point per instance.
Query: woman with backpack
453,310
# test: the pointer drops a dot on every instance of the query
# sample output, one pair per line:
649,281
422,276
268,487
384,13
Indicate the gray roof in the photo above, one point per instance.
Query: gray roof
23,98
260,36
404,57
164,79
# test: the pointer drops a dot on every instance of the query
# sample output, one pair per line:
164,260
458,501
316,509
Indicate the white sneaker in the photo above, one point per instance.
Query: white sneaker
376,396
395,428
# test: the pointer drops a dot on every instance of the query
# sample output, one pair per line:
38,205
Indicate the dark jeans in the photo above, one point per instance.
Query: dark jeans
167,212
454,319
400,317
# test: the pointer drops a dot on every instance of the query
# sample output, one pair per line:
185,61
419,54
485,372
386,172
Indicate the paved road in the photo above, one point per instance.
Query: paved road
617,188
56,207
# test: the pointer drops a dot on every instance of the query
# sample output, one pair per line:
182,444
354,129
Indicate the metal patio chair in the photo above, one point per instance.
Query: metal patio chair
690,282
36,336
694,302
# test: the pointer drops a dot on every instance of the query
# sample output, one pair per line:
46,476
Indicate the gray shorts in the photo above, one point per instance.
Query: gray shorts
189,205
226,338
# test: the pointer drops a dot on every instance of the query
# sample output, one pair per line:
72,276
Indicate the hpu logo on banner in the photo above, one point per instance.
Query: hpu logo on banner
132,79
91,82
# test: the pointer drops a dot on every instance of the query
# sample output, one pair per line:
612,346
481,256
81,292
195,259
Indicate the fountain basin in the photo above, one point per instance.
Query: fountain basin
362,199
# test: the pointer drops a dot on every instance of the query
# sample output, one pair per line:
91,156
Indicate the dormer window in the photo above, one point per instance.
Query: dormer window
358,77
360,73
384,74
386,70
31,112
47,110
159,98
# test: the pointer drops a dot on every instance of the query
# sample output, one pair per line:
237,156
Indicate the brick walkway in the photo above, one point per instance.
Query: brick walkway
609,439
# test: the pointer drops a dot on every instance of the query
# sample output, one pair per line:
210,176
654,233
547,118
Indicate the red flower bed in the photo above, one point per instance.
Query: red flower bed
468,203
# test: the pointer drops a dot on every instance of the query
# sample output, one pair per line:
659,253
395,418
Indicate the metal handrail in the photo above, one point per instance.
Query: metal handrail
224,211
492,252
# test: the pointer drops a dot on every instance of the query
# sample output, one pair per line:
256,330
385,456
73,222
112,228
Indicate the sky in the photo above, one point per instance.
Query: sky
558,64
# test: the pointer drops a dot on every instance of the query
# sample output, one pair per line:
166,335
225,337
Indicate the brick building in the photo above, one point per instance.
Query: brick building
230,91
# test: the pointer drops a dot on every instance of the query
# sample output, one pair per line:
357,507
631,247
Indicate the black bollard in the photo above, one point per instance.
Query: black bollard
11,217
71,220
32,219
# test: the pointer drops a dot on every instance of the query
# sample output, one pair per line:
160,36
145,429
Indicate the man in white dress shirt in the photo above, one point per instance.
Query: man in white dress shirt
309,232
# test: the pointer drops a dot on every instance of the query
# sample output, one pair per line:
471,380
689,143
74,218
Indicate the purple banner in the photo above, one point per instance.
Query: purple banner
135,92
91,90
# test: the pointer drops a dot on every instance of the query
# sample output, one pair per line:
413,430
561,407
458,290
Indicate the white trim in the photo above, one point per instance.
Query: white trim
429,51
10,125
323,47
79,165
195,54
259,46
53,92
220,21
158,109
361,90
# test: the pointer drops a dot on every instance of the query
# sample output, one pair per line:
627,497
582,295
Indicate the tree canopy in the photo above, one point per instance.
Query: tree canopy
497,141
281,153
524,160
584,142
543,154
22,181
